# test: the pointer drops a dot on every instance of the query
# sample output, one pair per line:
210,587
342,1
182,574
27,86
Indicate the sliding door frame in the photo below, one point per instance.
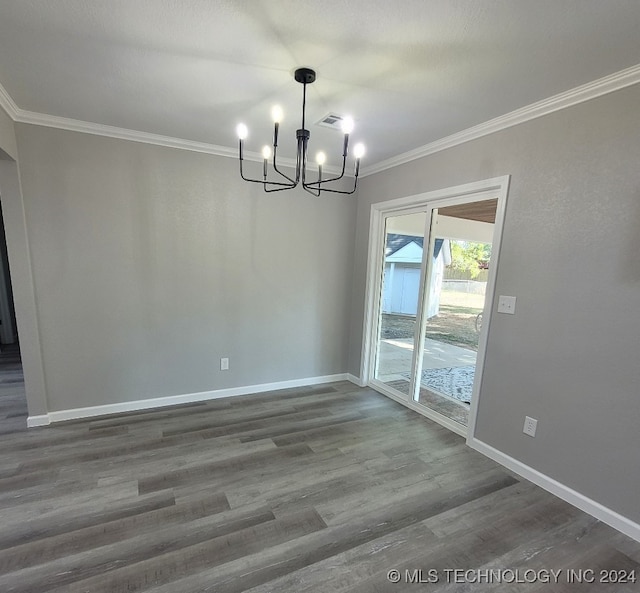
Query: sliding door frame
496,187
384,216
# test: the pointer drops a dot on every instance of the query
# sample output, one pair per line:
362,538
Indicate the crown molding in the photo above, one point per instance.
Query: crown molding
84,127
591,90
8,104
75,125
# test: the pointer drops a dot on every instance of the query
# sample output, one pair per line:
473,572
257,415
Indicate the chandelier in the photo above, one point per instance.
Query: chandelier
304,76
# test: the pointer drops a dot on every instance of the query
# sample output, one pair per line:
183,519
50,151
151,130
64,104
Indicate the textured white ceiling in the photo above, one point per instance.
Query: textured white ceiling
410,72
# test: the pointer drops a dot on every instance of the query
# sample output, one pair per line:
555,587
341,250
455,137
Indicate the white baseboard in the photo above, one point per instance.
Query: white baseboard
593,508
173,400
33,421
356,380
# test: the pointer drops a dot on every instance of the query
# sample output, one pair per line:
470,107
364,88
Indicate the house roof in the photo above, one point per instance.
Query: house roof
395,242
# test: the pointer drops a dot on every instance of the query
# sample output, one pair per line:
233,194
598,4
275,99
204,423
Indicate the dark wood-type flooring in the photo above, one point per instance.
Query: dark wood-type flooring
314,489
442,404
13,404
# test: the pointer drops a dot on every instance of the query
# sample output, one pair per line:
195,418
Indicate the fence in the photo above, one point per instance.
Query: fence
469,286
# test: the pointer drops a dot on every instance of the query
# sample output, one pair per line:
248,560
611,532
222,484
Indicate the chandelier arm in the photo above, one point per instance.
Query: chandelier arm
321,181
318,185
274,183
333,191
262,181
344,164
275,152
275,167
277,188
265,183
313,192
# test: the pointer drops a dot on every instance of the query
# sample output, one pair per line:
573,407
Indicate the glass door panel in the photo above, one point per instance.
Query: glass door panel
459,254
400,300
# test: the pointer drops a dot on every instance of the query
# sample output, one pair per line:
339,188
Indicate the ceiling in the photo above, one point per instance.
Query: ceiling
410,72
483,211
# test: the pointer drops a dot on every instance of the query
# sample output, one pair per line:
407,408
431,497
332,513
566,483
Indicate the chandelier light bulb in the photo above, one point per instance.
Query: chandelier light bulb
242,131
266,152
358,150
277,114
347,125
321,158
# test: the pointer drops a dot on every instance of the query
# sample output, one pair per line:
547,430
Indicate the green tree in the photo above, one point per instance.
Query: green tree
466,256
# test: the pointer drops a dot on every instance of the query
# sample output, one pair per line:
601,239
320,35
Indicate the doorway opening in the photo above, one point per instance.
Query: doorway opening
13,401
429,315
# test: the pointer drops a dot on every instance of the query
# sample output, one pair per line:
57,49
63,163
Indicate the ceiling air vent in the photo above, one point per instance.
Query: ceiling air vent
331,120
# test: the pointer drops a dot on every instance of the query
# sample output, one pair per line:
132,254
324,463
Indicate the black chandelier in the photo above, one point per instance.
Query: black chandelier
304,76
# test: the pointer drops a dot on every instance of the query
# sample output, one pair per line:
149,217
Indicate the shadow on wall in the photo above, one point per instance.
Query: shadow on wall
629,266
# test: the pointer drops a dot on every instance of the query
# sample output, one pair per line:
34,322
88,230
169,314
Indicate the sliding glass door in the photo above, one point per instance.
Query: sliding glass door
434,271
400,300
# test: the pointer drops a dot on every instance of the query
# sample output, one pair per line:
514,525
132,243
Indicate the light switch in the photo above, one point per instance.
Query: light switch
507,304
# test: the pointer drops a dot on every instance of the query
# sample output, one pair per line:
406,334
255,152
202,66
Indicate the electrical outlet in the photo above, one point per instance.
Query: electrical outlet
507,304
530,425
224,364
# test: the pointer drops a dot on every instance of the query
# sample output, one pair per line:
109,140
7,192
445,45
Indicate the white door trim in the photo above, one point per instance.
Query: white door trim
24,296
496,187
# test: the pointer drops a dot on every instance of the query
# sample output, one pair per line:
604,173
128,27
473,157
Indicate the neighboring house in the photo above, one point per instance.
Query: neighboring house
402,274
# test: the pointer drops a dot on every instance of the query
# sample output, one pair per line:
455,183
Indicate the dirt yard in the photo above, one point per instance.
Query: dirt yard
455,323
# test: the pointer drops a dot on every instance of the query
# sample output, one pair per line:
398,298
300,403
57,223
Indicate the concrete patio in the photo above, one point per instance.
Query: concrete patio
395,357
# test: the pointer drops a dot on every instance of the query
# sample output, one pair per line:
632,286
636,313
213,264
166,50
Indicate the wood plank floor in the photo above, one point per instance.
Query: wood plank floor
321,489
13,404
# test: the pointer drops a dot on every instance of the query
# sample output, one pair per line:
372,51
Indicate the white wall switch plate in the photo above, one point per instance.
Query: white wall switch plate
507,304
530,425
224,364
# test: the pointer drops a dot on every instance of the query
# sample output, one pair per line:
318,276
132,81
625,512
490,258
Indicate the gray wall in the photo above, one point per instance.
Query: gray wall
151,263
570,356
